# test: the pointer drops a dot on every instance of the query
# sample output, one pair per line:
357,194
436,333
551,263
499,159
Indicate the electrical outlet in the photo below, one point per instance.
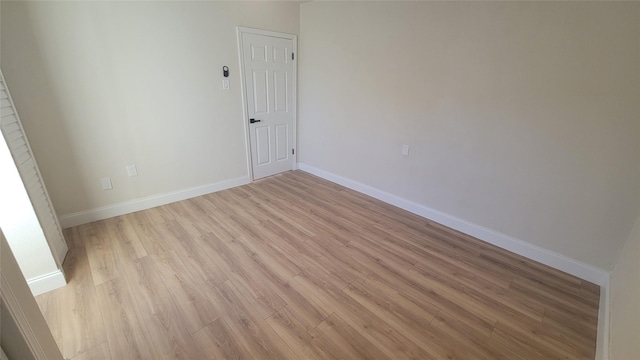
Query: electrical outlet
106,183
405,150
132,170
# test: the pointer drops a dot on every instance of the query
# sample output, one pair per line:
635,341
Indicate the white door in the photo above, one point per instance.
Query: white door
269,84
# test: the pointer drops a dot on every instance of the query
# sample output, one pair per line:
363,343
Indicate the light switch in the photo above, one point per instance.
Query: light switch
225,84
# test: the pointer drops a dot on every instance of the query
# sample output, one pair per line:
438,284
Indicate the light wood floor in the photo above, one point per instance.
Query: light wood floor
295,267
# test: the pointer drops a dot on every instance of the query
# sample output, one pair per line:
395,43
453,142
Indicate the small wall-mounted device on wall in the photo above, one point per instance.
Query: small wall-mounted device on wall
225,71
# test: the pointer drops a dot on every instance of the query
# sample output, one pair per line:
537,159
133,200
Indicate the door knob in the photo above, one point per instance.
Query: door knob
254,121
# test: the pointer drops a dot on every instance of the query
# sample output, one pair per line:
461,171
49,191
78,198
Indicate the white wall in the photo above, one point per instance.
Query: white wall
522,116
121,83
625,297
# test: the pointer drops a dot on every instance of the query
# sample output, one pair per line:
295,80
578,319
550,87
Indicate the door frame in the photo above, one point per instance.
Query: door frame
240,30
21,306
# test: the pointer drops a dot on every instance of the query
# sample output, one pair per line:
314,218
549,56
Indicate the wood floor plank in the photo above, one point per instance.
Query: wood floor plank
499,302
342,269
283,284
405,317
523,347
545,335
267,247
585,330
100,352
169,326
349,340
280,207
577,309
78,305
73,237
474,345
101,255
298,334
371,326
145,228
123,235
218,342
540,342
49,304
267,300
461,275
249,328
126,329
192,255
296,267
423,253
195,309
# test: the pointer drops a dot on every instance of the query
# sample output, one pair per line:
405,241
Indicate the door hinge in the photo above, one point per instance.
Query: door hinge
293,151
293,56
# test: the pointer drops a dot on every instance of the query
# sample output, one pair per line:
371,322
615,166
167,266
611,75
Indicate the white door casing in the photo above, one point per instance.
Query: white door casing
268,67
33,335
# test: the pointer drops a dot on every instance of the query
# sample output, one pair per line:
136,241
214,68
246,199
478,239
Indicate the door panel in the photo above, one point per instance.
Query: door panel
263,145
282,143
260,92
258,53
280,91
268,79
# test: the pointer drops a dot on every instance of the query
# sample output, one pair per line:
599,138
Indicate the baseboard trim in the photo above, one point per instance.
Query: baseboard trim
520,247
602,341
47,282
105,212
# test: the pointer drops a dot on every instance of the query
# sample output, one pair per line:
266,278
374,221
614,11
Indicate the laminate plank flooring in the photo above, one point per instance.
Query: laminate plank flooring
296,267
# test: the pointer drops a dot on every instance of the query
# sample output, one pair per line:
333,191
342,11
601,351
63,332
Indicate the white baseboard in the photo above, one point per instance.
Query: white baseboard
47,282
105,212
533,252
602,341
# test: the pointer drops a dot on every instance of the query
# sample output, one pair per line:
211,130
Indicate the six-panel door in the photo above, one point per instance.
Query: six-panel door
268,72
